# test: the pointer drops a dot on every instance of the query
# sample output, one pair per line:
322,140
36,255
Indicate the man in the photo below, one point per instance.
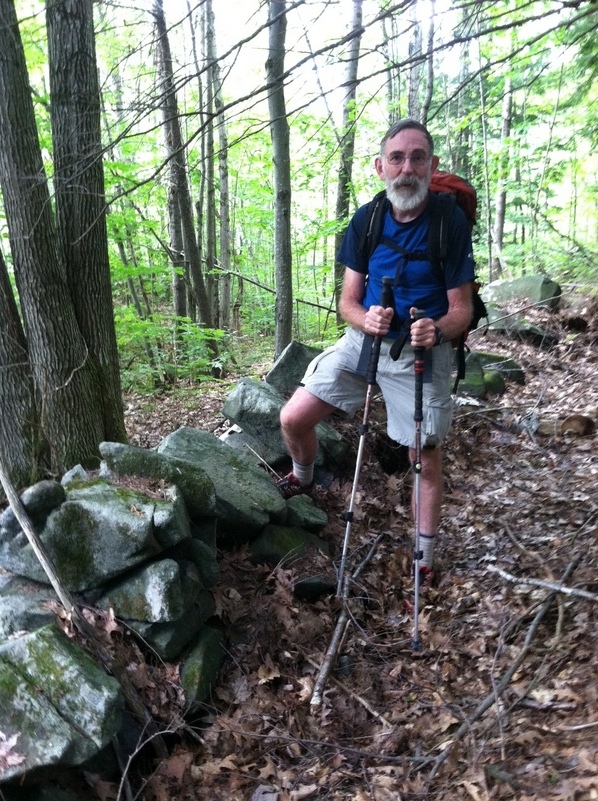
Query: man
334,379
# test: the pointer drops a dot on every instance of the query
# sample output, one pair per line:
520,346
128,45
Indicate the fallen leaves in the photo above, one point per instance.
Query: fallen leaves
516,500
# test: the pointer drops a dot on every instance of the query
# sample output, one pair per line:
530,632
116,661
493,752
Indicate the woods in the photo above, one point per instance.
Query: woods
174,180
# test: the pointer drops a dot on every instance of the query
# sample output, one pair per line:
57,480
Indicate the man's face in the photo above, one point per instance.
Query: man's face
406,167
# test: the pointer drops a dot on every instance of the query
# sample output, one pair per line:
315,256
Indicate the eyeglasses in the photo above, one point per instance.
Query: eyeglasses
417,160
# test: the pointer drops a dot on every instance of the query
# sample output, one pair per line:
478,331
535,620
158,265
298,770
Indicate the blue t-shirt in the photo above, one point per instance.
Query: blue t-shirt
418,282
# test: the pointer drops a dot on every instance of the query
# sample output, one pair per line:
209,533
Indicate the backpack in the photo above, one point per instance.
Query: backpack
448,190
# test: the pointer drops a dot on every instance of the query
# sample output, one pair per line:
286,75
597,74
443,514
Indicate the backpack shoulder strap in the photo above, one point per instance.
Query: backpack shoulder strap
440,220
374,224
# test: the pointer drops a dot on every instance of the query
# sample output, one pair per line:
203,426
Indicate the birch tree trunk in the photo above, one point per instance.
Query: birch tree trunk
500,199
347,144
279,130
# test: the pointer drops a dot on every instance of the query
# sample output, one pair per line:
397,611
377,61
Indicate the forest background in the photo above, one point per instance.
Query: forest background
176,177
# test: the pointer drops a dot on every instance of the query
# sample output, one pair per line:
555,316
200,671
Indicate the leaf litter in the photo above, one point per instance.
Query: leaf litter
501,700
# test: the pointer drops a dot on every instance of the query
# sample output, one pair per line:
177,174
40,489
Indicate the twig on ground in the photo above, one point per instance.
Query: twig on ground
337,636
546,585
363,701
538,559
502,685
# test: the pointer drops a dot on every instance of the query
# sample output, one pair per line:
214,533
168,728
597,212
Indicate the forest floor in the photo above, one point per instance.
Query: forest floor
501,700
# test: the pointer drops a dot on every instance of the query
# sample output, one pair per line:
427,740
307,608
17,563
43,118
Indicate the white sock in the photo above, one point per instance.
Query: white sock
304,473
426,544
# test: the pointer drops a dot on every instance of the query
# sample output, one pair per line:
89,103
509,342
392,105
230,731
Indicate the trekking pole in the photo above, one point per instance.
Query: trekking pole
418,416
386,300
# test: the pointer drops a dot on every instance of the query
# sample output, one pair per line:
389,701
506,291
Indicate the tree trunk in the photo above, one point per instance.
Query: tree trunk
279,130
224,279
19,422
175,150
500,200
210,182
80,198
71,403
347,143
415,65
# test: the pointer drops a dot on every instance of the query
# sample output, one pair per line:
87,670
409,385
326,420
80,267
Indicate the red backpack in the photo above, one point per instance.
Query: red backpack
464,192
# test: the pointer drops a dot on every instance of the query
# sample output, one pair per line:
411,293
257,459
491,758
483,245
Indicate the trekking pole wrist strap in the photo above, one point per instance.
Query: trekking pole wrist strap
440,338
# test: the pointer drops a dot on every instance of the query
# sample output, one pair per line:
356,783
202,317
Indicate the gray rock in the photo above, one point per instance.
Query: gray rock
276,544
255,406
38,501
171,519
517,327
288,370
169,640
98,533
532,288
473,383
56,701
23,605
202,556
246,499
192,480
255,450
503,364
202,667
303,512
74,475
157,593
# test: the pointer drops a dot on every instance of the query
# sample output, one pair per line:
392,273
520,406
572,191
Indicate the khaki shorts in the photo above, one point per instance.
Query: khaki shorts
332,377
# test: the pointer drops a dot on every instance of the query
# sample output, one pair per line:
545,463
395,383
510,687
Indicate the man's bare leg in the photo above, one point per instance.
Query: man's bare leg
430,500
298,420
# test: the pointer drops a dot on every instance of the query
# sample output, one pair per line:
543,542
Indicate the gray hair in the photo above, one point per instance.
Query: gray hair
402,125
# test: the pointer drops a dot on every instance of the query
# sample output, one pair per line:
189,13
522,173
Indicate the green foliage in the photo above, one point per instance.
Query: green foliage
163,349
542,52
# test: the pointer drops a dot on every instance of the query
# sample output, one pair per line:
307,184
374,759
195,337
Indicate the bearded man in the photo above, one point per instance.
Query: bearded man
336,379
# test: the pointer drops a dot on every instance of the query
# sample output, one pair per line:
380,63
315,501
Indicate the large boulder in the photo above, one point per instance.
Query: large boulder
246,498
57,705
99,532
517,327
156,593
288,370
23,605
255,406
192,480
536,289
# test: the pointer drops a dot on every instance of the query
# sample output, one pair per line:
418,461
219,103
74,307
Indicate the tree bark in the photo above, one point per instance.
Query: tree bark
65,377
500,200
80,197
347,144
175,150
19,422
279,130
224,259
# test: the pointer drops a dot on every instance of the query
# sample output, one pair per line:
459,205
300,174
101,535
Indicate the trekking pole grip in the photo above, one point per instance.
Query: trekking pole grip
418,367
386,300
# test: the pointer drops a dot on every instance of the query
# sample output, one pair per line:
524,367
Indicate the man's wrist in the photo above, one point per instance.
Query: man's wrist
439,336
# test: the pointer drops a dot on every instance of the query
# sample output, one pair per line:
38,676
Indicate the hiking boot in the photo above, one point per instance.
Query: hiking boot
289,486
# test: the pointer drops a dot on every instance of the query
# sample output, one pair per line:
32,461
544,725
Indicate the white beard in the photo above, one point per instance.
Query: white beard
406,195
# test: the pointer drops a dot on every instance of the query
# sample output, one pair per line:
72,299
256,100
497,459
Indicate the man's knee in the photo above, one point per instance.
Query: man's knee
303,411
